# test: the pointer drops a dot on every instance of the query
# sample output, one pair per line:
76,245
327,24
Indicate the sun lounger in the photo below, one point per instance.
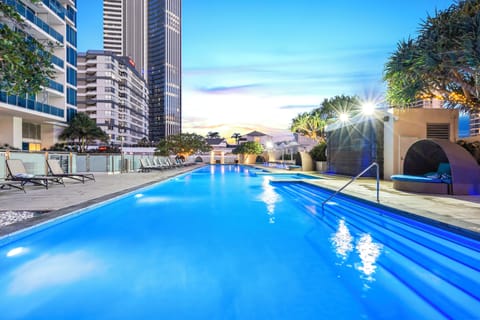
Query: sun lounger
146,166
12,184
16,172
55,170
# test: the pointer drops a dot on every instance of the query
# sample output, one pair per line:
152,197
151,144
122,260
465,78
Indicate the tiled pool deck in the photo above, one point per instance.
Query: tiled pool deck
459,211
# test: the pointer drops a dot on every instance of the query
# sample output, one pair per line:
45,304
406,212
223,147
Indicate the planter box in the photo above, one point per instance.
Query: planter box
321,166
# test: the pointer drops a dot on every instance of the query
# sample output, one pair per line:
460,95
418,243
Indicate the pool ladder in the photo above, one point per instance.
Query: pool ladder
374,164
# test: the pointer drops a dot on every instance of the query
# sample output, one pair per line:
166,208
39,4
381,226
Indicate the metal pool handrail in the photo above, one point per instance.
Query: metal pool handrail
374,164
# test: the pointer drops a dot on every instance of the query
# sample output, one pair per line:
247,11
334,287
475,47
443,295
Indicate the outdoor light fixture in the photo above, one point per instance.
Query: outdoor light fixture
343,117
368,108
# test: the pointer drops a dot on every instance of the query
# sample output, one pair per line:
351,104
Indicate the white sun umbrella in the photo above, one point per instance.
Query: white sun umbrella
291,145
282,147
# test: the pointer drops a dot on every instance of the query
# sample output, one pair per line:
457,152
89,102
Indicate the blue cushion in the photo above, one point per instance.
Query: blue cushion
443,167
405,177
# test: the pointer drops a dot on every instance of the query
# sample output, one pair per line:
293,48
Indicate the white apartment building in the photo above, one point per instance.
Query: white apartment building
33,122
113,92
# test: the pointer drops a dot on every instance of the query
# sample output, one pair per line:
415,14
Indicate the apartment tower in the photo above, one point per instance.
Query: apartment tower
33,122
125,30
149,32
113,93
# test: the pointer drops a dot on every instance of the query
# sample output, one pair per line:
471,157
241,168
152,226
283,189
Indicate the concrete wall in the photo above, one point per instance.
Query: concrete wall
406,126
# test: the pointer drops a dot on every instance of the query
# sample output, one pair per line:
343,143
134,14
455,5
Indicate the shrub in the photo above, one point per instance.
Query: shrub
318,152
249,147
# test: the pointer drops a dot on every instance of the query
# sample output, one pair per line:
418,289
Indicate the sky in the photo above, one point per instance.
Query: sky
256,64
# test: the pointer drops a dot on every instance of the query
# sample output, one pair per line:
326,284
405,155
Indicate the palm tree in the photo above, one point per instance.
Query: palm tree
83,129
312,124
333,107
236,136
309,124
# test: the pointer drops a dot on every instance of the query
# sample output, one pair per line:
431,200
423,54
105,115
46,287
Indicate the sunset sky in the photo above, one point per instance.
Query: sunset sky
255,64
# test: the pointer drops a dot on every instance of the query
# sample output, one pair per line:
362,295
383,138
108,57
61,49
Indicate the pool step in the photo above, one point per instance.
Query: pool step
416,251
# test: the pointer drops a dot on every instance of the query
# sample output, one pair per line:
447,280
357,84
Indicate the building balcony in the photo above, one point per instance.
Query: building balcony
58,62
58,87
52,6
29,16
31,104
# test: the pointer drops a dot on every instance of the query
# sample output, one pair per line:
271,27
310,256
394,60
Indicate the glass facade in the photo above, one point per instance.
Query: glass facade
164,68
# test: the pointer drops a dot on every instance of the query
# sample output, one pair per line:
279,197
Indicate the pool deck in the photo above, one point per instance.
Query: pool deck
458,211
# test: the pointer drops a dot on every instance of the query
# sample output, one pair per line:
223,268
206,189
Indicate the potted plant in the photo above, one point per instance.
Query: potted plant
249,150
318,154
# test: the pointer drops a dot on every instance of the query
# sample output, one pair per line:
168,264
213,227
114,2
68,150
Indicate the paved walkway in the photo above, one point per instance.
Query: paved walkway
459,211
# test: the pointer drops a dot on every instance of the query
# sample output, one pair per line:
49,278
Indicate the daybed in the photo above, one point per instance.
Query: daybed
457,172
431,182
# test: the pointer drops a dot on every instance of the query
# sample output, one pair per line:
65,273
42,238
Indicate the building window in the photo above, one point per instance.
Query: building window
72,96
72,56
72,76
31,131
71,36
71,113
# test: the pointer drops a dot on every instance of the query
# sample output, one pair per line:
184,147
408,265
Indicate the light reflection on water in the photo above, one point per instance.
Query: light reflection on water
368,251
342,240
270,198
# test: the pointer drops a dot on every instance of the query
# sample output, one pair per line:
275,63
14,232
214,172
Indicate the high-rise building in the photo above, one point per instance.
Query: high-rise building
34,122
165,67
474,129
125,30
149,31
113,93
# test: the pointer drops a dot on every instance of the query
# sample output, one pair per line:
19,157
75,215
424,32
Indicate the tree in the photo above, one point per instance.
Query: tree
331,108
442,62
83,129
249,147
183,144
236,136
309,124
213,135
25,63
312,124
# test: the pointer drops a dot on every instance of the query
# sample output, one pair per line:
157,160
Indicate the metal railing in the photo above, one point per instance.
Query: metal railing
374,164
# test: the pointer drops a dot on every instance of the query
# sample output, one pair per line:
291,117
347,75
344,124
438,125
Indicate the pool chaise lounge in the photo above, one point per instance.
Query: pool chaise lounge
55,170
12,184
16,172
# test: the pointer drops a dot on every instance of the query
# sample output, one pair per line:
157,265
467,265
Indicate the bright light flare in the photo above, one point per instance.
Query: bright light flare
368,108
344,117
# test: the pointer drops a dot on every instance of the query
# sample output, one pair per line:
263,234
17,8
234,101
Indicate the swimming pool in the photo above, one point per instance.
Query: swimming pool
279,175
219,243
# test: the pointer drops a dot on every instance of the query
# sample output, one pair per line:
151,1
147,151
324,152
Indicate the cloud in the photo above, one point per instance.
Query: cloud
228,89
299,107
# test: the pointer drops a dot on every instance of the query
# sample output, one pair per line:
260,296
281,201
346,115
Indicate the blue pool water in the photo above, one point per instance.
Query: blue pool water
279,175
219,243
